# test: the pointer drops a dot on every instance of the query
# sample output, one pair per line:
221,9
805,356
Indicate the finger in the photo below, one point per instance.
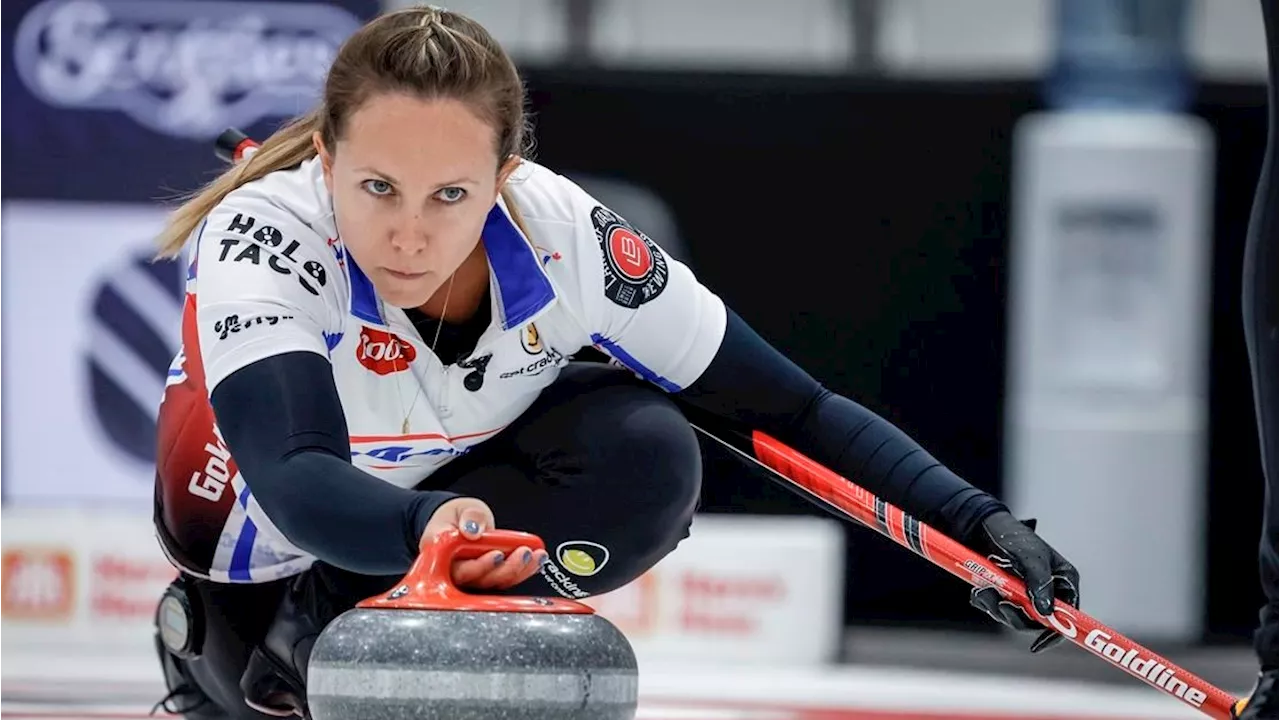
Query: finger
987,599
539,559
1047,639
522,564
1066,582
468,572
456,513
474,520
990,601
527,569
1038,577
503,575
1004,563
1015,617
1065,592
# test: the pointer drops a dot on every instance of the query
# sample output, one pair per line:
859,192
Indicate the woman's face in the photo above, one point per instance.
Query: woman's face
412,181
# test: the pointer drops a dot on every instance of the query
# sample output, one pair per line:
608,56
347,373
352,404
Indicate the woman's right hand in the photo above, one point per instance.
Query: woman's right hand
493,570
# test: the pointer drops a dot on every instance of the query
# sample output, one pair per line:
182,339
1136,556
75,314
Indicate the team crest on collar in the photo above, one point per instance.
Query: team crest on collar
635,270
530,340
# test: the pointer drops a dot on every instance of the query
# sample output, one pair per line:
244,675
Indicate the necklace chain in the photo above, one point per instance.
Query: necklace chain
404,425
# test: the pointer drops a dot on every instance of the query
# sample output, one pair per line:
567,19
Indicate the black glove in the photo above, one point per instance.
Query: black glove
1015,547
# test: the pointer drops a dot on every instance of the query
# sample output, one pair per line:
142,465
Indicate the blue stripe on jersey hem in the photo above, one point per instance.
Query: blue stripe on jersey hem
523,286
635,365
364,300
240,570
243,552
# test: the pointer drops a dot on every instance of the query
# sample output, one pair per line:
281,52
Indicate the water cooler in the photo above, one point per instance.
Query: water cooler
1108,307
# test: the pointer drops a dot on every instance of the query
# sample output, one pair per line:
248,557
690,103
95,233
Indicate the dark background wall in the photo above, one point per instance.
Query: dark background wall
863,228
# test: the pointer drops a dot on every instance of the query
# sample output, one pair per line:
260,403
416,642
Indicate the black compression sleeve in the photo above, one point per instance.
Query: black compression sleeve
754,385
284,425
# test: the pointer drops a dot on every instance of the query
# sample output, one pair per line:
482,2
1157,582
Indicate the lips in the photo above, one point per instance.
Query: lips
405,275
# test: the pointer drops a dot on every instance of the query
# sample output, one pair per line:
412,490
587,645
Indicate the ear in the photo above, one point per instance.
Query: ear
326,160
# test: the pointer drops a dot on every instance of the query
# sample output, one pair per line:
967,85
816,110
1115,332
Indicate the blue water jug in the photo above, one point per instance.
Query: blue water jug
1120,55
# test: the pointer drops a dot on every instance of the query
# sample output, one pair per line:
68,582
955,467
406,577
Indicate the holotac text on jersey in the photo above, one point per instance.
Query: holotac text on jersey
310,273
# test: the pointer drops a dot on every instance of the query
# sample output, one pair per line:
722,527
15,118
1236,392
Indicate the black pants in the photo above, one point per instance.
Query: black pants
601,463
1259,300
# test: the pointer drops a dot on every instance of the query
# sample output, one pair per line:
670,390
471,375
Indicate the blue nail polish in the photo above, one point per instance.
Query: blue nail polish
471,527
497,560
528,555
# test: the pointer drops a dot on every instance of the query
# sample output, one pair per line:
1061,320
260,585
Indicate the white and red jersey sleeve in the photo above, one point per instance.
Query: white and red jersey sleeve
265,283
636,303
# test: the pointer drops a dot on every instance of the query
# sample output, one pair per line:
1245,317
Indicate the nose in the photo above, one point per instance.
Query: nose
409,235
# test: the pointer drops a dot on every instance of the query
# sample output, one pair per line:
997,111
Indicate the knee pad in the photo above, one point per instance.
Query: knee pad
179,620
179,634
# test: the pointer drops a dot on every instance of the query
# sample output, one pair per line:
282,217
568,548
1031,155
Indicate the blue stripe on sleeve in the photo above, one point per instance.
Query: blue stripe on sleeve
635,365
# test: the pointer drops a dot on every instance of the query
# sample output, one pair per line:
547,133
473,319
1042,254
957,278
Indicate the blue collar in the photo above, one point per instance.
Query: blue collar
523,288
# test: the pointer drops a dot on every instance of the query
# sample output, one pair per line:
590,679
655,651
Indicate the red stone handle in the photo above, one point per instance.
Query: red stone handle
429,583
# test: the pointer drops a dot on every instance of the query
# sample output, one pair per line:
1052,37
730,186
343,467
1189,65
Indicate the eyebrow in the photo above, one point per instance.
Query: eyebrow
393,181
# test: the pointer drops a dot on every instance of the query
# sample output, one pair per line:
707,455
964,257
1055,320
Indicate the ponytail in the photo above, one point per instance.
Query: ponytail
514,211
287,148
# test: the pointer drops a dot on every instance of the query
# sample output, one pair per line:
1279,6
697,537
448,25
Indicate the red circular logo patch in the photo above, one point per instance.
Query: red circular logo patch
630,254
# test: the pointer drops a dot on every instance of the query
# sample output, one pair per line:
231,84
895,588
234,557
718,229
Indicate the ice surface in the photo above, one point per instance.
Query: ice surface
124,688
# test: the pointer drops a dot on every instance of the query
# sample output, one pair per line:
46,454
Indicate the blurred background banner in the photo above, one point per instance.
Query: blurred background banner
120,99
110,109
85,432
886,190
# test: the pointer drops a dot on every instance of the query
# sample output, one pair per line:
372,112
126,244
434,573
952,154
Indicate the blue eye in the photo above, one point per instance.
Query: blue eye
451,195
381,188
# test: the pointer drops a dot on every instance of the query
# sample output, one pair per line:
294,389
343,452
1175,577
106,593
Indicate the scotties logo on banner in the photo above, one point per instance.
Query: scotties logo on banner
187,69
136,316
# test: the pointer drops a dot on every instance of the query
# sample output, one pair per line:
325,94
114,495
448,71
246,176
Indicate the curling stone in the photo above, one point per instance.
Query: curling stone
426,650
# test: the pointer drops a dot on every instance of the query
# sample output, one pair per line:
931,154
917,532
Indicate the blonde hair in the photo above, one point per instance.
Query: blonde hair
425,52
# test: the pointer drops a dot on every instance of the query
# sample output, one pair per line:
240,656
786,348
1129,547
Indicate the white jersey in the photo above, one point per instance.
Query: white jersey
269,275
